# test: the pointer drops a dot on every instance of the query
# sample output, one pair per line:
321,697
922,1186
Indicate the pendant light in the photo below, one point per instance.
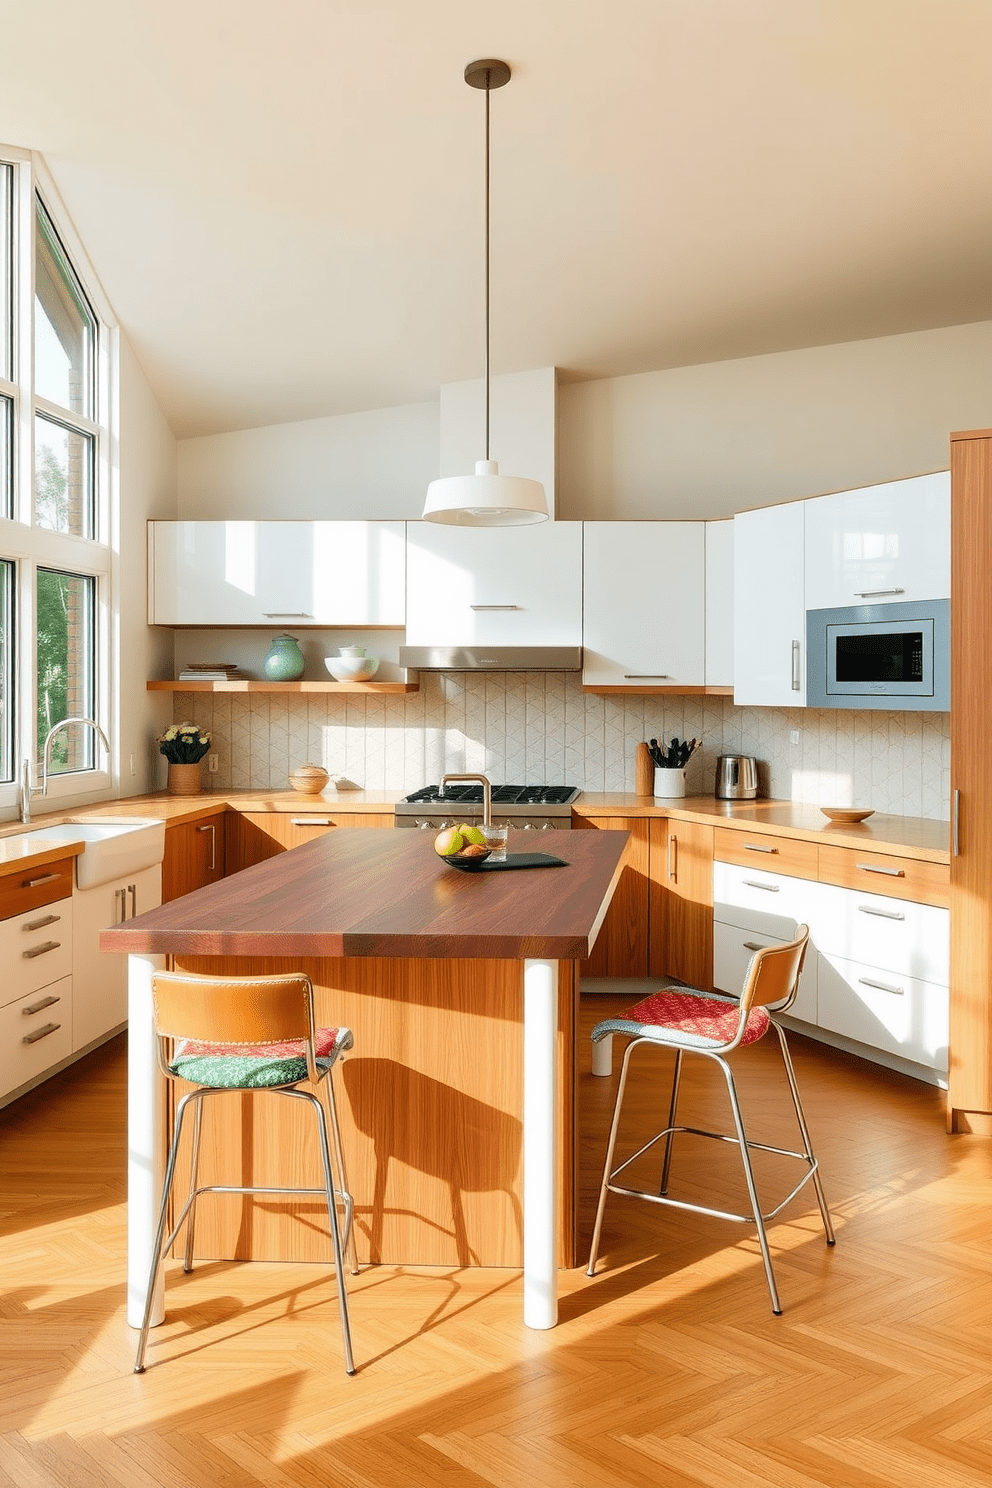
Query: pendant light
486,499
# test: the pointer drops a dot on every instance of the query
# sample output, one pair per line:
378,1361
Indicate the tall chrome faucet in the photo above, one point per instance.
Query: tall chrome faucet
487,794
26,788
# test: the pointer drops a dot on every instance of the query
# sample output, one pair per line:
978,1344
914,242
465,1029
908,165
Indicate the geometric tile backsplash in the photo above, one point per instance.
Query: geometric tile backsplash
541,728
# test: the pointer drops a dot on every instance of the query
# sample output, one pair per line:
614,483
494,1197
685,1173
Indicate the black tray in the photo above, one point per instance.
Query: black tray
512,860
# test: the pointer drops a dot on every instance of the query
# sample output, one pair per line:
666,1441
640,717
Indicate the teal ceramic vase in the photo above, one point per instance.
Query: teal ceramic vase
284,662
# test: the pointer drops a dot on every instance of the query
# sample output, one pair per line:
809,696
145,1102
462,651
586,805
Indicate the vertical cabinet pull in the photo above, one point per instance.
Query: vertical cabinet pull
673,858
213,845
956,826
133,891
795,666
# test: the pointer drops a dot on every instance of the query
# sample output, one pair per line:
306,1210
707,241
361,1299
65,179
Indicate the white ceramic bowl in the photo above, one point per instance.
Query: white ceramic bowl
351,668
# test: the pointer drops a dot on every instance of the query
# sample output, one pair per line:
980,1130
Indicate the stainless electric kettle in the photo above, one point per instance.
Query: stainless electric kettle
736,777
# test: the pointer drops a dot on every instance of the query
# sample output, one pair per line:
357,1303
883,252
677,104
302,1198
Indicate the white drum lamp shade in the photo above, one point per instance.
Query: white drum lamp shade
485,499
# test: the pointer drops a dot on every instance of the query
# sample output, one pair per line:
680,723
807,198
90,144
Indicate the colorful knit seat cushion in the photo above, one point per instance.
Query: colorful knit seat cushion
246,1067
702,1017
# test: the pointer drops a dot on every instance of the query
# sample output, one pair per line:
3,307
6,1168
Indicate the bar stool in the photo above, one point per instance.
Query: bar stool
226,1034
713,1025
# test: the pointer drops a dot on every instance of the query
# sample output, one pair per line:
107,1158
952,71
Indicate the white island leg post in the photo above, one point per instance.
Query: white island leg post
540,1144
145,1138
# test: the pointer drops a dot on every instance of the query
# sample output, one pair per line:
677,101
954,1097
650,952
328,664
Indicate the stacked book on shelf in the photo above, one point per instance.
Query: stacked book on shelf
210,671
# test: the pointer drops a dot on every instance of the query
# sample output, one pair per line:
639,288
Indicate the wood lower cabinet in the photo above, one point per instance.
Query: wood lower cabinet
680,912
195,855
254,836
969,1094
622,947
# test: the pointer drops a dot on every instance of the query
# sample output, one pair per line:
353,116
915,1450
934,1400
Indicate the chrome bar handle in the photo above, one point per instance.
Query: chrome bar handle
301,821
493,609
35,883
120,910
882,986
211,828
752,883
755,847
40,950
30,925
287,614
647,676
673,858
875,593
871,868
133,891
36,1007
795,666
40,1033
882,914
956,826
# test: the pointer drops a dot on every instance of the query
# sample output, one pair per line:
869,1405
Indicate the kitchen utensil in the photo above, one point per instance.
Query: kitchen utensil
513,860
736,777
846,813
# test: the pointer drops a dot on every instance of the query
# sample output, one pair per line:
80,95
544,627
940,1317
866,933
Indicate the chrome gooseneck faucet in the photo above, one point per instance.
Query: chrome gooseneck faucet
487,793
26,788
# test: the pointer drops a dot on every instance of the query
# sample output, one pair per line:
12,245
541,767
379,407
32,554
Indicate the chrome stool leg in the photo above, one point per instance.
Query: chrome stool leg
194,1164
350,1248
608,1165
821,1197
749,1179
666,1169
170,1173
332,1214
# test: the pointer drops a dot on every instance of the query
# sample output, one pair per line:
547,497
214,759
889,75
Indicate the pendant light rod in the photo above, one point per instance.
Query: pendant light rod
488,74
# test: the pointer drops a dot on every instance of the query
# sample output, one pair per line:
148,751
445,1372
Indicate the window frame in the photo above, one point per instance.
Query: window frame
31,547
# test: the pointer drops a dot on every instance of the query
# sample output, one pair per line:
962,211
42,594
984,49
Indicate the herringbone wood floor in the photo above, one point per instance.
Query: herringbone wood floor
667,1369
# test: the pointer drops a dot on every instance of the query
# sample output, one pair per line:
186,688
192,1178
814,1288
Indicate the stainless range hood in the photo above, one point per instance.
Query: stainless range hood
492,658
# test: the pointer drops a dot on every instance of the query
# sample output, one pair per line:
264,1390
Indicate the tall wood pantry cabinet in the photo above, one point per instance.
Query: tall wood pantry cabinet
969,1094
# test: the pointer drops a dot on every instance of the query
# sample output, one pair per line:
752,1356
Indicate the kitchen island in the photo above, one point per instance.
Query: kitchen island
458,1103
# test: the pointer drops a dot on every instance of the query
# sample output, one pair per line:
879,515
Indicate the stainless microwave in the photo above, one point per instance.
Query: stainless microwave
895,656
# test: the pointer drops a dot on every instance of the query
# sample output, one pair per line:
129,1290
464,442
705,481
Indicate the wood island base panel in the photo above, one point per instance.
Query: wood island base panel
430,1104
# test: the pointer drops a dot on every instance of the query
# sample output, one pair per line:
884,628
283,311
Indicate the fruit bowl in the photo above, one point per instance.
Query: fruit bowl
470,860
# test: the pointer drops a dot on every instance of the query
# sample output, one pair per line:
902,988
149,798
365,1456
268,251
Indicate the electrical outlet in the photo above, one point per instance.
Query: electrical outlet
211,764
794,736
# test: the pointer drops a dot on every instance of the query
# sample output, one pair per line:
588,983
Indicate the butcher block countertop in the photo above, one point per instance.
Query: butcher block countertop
919,837
389,894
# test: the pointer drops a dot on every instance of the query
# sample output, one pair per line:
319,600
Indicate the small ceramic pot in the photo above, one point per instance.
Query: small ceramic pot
284,662
309,780
668,783
184,780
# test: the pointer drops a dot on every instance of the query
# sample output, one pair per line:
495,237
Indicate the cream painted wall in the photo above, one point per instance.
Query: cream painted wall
374,464
148,456
702,441
712,440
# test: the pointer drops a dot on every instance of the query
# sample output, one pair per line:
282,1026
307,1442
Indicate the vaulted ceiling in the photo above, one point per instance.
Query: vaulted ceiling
284,203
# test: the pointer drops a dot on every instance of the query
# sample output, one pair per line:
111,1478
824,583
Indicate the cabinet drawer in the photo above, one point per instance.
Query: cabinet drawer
32,1041
760,850
768,903
35,949
877,873
29,888
733,948
904,1015
911,940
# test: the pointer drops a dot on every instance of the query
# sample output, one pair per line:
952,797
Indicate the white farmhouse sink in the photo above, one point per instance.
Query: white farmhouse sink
115,846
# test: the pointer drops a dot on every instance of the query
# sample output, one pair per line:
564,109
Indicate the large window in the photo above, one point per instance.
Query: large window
55,442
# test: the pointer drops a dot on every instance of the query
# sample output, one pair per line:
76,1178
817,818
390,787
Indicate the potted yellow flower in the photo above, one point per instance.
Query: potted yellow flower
184,747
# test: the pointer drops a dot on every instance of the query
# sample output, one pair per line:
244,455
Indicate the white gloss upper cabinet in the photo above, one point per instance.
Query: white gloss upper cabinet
494,586
720,604
265,573
644,624
880,545
769,607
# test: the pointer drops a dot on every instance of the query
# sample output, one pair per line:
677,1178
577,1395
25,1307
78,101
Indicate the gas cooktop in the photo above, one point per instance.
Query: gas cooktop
502,795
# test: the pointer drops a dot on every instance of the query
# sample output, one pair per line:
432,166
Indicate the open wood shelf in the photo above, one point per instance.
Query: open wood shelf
247,684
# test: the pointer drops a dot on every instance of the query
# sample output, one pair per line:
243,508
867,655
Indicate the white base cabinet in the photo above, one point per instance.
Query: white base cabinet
276,574
877,969
36,998
100,978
